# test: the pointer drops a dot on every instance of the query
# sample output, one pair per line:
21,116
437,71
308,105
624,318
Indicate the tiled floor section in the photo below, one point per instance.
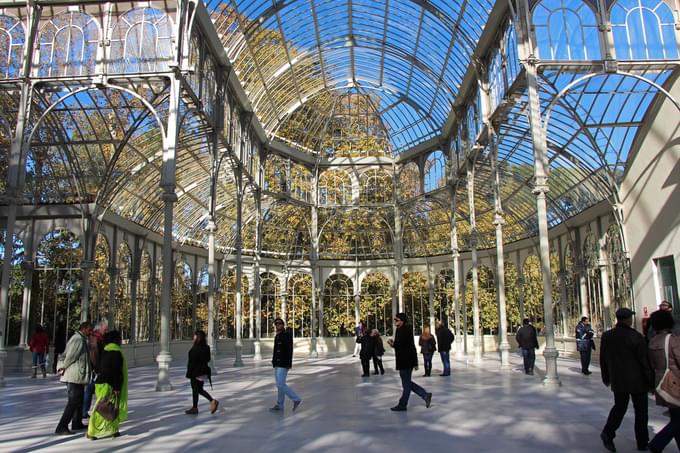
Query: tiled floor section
477,409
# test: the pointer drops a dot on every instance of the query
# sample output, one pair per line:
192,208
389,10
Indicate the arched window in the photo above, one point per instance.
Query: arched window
619,269
300,305
12,37
143,298
512,65
643,29
338,305
376,303
566,30
270,308
141,41
416,300
409,181
435,171
335,188
376,187
486,294
123,302
444,296
99,281
182,302
68,45
301,182
227,314
591,261
275,174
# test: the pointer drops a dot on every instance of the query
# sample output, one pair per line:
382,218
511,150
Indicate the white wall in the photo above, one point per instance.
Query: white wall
650,193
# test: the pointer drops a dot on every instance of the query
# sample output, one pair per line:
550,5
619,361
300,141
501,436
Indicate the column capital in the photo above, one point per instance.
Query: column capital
455,253
212,226
498,220
474,237
169,197
541,186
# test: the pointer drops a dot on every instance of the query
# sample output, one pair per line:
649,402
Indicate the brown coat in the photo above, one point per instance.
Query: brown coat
657,359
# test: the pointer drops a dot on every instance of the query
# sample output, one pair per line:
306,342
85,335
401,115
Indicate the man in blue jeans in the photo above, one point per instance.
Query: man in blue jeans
445,337
282,362
407,360
528,341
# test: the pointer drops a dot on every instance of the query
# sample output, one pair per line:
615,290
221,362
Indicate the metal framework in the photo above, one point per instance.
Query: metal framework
358,133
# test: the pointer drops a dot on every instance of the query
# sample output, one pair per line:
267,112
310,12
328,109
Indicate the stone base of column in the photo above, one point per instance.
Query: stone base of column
551,378
477,345
313,353
257,350
163,384
238,351
458,350
505,356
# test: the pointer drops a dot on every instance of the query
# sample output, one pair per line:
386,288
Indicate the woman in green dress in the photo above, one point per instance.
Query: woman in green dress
112,379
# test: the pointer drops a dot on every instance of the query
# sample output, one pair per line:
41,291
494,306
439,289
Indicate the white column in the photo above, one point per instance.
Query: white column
503,320
164,357
606,294
212,337
474,239
257,345
26,303
238,347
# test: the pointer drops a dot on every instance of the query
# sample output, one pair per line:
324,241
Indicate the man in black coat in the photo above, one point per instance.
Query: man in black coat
445,337
407,360
584,343
528,342
282,361
625,367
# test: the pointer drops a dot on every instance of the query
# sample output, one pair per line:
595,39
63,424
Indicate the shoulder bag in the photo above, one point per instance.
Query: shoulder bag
107,407
669,386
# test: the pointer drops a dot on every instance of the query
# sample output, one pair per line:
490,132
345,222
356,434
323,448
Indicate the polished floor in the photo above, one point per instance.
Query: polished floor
477,409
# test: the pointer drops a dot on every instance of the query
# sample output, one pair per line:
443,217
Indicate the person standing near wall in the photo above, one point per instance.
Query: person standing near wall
95,348
407,359
445,338
584,343
38,344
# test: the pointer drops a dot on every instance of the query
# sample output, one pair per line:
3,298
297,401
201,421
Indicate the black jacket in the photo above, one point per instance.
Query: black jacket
624,360
445,338
111,370
283,349
199,357
378,347
526,337
367,347
405,348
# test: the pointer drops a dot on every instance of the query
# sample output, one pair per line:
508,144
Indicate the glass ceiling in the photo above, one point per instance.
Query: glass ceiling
409,56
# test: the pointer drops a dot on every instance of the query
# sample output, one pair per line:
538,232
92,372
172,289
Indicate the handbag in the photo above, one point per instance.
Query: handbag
107,407
669,386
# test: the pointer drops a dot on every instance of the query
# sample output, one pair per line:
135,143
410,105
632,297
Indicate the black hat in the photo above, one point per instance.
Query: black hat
624,313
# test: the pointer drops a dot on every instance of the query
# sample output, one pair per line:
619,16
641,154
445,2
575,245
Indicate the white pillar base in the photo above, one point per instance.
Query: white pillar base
257,347
477,346
551,379
505,356
238,350
313,353
163,384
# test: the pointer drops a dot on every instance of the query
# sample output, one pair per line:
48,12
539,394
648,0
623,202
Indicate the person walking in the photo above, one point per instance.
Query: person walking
445,338
74,367
665,345
38,344
198,371
584,343
406,359
282,361
367,352
527,340
624,363
112,381
378,352
95,348
428,346
358,334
